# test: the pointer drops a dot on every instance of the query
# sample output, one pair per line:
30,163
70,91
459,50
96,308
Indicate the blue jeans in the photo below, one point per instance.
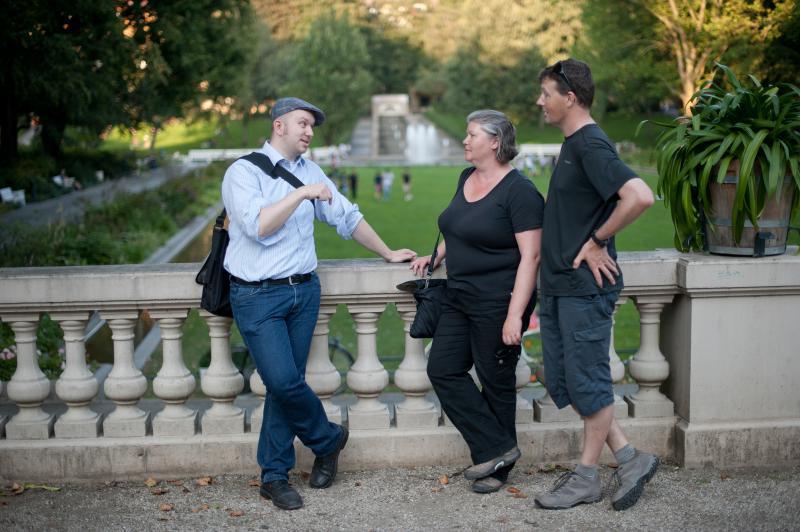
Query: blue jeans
576,332
277,323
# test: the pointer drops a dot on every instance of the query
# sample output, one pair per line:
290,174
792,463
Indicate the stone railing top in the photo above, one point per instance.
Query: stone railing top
162,286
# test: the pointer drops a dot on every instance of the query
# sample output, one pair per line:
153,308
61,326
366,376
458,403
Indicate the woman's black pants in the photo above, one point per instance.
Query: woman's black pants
470,333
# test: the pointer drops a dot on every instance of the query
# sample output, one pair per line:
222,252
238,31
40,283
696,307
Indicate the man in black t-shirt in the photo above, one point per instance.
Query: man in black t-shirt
592,196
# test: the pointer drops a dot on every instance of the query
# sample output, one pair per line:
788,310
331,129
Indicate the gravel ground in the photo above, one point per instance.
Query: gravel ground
402,499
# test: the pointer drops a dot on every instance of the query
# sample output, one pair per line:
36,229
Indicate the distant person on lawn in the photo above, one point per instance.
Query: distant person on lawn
275,293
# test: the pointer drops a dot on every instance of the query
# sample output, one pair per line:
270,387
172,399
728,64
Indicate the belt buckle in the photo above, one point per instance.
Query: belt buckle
292,280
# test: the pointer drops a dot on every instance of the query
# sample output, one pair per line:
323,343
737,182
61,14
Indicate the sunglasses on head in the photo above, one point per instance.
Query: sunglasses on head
558,68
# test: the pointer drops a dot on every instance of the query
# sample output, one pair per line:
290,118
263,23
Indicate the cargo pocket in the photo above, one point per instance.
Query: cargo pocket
592,344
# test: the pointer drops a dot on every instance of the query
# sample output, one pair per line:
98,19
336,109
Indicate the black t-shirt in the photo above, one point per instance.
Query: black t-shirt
482,252
581,197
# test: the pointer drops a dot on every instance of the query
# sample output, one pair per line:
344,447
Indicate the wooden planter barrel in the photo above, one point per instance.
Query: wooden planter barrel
768,238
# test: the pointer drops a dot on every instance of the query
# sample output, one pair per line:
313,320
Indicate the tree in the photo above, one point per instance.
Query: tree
187,52
64,62
329,69
696,33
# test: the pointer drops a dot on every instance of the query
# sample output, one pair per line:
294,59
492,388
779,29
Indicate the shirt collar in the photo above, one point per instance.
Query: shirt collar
275,156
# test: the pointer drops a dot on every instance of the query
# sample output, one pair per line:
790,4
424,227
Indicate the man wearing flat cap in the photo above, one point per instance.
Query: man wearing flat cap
275,293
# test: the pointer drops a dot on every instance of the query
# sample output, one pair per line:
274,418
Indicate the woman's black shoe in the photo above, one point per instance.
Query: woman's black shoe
282,495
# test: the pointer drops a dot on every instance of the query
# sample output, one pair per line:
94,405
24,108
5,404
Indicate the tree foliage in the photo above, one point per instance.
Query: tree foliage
330,69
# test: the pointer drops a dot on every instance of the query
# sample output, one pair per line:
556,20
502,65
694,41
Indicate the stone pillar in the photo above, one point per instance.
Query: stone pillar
416,411
321,374
617,367
28,387
222,382
174,383
77,385
649,367
367,377
125,385
257,414
524,408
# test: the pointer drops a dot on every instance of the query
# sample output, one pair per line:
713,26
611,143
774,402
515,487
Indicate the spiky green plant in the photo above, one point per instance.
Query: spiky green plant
758,125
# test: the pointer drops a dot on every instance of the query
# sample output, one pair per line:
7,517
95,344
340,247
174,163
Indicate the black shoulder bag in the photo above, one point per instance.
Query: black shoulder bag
215,279
428,294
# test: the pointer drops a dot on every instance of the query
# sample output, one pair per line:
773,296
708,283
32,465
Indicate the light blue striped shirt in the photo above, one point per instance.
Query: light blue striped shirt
289,250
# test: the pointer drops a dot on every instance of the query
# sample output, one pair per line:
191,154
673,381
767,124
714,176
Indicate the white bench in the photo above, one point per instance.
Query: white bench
12,196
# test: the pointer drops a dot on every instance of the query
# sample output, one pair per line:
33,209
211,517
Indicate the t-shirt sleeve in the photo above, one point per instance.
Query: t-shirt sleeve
525,206
602,165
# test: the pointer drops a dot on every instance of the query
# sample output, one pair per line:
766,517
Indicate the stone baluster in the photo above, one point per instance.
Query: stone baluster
649,367
545,409
3,419
257,414
77,385
617,367
174,383
524,407
321,374
222,382
28,387
367,377
416,411
125,385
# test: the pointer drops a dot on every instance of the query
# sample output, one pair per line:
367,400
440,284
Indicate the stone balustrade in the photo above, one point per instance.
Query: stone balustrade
711,330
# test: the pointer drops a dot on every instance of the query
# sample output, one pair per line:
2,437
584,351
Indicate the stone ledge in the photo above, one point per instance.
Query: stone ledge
166,457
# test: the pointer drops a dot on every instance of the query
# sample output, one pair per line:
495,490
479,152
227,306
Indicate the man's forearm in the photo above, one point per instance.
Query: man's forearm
365,235
272,217
635,198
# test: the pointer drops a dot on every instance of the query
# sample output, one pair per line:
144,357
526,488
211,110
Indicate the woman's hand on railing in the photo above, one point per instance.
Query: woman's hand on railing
420,265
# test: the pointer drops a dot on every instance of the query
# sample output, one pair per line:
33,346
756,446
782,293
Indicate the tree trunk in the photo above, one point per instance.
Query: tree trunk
52,136
152,146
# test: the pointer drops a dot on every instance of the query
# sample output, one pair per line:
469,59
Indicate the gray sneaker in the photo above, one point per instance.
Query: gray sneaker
484,469
570,490
631,477
487,485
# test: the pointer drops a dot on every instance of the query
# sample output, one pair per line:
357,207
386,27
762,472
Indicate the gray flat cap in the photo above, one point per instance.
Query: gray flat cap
287,105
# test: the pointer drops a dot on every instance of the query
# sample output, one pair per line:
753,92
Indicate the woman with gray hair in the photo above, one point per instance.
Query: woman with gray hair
492,234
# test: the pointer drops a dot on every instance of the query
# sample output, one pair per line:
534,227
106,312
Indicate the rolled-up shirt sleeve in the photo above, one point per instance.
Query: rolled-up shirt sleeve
339,213
241,194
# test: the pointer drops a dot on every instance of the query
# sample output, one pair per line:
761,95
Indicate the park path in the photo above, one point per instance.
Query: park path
409,499
71,206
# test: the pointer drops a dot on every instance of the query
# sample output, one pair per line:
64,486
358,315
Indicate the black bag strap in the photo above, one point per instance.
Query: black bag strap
264,162
461,180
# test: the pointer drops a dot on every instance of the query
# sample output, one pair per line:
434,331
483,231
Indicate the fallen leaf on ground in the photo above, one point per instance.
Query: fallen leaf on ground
236,513
305,475
723,475
159,491
254,482
175,482
16,489
166,507
150,482
186,490
40,487
443,480
520,495
357,483
436,490
512,489
200,508
204,481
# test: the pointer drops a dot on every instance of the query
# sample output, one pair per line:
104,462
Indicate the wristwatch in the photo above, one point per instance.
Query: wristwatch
600,243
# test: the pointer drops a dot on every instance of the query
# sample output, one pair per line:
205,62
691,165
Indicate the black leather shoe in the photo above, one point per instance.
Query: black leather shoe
324,470
282,495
